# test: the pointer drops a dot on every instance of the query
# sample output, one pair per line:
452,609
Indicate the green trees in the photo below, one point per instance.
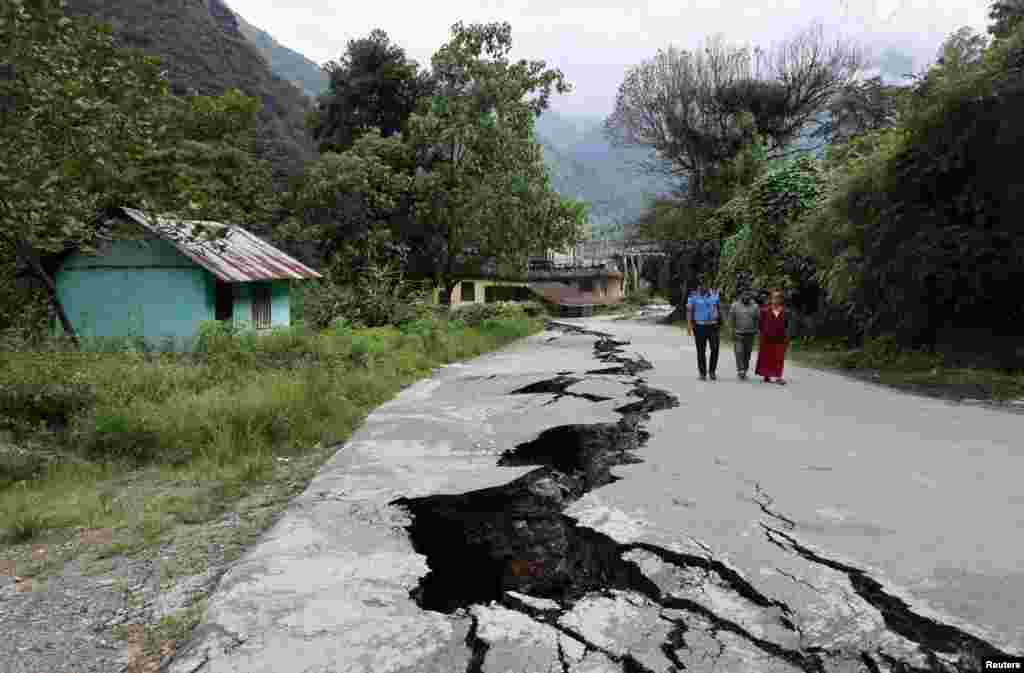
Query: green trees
373,85
920,228
73,111
463,183
908,226
485,191
85,125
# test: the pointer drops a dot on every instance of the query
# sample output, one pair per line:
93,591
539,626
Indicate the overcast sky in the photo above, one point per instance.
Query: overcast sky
594,42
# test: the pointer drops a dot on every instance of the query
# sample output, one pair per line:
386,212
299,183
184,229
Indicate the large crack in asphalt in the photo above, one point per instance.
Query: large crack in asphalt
931,636
558,387
492,544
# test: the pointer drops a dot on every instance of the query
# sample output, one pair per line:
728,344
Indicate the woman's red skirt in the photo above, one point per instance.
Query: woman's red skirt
770,359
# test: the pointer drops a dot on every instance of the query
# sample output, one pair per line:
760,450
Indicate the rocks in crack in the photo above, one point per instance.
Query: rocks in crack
557,386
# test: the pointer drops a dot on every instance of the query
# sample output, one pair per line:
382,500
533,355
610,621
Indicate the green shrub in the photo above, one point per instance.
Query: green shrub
474,315
533,309
420,326
885,352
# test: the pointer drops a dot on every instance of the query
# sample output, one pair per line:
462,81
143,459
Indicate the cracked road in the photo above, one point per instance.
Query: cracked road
581,503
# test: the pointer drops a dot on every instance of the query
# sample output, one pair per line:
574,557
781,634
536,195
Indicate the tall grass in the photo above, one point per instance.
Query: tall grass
222,413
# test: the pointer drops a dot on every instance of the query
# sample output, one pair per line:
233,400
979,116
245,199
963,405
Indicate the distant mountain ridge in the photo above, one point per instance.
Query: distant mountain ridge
286,63
583,164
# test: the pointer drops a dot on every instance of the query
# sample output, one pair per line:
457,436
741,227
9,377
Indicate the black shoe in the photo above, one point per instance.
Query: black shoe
713,377
703,377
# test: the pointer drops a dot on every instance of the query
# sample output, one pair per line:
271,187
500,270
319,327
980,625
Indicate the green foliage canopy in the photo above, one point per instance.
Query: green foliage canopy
921,227
373,85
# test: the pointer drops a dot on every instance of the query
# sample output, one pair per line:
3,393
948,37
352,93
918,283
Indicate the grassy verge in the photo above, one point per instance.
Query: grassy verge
121,452
882,361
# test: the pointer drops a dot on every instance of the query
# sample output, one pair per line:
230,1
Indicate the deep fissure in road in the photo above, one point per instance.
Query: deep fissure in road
483,544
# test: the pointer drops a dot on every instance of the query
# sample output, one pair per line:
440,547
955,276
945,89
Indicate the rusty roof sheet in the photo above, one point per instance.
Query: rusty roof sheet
237,257
565,295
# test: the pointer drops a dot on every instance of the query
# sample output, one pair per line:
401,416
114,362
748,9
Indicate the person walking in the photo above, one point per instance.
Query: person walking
771,352
704,318
745,314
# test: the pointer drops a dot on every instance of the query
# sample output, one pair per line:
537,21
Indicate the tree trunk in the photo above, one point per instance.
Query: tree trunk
30,258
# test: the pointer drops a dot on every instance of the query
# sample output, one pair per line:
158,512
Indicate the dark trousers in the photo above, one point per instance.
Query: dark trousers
744,346
705,334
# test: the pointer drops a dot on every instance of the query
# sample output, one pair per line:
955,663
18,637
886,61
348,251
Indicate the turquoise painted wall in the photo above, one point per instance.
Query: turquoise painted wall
145,288
281,305
243,304
148,288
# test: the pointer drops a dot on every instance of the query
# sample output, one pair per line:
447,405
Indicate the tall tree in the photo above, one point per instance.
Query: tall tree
373,85
688,105
483,191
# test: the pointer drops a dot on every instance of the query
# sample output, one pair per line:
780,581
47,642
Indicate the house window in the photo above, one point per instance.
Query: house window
468,291
225,301
261,305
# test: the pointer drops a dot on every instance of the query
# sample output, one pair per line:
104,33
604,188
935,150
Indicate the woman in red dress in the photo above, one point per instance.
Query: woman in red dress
771,350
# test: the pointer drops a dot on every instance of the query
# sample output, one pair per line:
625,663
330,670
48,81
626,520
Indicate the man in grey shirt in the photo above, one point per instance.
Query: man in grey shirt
745,315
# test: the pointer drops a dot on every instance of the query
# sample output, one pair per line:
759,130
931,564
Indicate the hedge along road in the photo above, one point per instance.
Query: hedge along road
575,503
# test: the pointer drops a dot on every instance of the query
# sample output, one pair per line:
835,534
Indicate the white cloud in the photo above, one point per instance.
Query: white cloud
594,41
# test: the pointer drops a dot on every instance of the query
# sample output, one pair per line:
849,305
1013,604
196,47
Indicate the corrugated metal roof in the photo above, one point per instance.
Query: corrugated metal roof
238,257
565,295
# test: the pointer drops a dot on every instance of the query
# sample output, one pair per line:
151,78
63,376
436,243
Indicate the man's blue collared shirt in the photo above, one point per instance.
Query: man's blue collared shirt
705,307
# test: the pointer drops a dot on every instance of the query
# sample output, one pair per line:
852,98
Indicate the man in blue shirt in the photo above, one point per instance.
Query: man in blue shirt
704,320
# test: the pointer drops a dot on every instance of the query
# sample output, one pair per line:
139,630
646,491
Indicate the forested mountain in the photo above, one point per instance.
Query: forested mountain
202,47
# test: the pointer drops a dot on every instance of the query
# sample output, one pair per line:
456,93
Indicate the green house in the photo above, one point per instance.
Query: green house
162,282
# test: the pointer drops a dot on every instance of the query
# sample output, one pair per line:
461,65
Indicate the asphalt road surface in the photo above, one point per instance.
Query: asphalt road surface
639,520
